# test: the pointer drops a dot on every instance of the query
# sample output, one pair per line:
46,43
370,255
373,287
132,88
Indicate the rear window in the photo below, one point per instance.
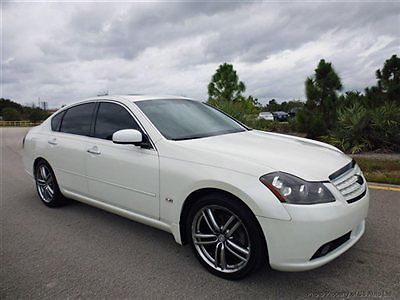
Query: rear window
77,119
56,120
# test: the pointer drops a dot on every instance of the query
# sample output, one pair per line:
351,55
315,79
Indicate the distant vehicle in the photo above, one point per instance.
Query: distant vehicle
266,115
281,116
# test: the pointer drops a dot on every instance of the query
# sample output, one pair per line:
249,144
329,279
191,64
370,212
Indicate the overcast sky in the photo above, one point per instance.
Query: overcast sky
63,52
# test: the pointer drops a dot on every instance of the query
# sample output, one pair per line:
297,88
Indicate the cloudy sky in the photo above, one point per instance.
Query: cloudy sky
62,52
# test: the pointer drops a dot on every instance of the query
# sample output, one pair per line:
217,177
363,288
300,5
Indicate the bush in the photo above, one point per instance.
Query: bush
242,110
309,122
262,124
385,127
10,114
11,111
350,132
35,114
246,112
360,129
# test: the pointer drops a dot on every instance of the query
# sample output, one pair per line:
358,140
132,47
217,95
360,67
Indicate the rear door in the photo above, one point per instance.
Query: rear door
68,144
125,176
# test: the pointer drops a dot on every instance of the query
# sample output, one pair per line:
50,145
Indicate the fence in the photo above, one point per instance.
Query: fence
19,123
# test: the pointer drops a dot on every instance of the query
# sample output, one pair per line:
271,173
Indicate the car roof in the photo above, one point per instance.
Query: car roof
138,97
126,99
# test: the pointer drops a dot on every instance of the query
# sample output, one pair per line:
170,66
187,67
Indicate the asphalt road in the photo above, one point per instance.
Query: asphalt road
80,251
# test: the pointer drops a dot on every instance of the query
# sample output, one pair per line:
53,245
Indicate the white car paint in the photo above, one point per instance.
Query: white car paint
266,116
152,185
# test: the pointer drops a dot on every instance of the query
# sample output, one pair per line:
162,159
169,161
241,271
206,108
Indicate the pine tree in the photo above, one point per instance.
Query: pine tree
319,113
225,85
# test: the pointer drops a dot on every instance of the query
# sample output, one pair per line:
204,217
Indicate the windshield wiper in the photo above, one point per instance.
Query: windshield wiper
191,137
199,136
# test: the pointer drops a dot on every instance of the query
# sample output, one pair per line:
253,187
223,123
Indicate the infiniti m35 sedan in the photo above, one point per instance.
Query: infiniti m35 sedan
241,198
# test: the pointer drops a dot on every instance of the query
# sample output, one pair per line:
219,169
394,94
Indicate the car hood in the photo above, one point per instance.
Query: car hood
258,152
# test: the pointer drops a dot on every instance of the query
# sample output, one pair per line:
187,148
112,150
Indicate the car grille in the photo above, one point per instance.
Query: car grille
349,181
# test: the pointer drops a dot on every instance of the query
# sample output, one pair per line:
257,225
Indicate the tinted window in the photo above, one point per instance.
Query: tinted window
55,121
179,119
77,119
111,118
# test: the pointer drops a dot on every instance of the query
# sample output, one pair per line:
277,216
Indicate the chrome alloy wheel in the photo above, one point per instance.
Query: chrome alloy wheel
45,183
221,239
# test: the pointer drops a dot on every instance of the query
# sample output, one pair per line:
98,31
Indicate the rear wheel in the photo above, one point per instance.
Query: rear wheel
225,236
47,187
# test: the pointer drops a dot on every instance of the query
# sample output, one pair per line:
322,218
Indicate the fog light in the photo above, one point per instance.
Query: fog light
325,249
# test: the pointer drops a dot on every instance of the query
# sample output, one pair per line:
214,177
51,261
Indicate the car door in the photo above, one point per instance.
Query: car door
68,147
125,176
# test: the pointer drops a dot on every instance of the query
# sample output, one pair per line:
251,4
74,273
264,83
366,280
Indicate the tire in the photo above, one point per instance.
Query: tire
47,187
225,236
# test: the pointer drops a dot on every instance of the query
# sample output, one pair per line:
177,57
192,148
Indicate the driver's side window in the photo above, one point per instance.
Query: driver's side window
111,118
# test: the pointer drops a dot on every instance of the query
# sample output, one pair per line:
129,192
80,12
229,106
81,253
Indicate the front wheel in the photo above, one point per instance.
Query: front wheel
225,236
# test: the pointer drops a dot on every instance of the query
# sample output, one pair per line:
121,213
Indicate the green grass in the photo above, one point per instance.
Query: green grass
382,171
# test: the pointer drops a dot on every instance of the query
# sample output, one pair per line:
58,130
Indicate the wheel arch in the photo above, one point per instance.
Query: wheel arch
196,195
36,162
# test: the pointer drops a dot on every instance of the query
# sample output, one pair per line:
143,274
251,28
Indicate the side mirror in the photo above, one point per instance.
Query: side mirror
127,136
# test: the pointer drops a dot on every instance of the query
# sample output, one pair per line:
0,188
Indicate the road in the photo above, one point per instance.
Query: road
79,251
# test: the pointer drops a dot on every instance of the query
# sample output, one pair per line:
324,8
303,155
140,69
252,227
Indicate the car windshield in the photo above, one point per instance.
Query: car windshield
182,119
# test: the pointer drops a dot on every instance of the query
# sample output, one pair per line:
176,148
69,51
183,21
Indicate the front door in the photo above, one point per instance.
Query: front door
125,176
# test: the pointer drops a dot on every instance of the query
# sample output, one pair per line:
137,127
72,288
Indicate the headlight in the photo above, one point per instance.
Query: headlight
291,189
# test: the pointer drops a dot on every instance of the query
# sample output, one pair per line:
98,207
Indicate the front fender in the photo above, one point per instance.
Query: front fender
249,190
179,179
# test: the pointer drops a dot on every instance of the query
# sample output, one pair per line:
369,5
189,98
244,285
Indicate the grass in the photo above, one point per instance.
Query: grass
381,171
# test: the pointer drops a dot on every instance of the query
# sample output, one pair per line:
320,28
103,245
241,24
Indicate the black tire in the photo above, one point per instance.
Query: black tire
47,187
221,207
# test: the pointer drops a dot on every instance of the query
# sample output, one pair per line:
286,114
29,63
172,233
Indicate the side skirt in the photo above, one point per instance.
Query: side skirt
119,211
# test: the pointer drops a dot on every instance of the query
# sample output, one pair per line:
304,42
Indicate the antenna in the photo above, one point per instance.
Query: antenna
105,93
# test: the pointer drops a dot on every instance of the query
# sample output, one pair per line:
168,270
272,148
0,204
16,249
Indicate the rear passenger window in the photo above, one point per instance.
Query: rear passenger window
77,119
111,118
55,121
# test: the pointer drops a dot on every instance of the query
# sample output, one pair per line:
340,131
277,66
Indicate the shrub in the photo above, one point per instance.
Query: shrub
35,114
242,110
312,123
385,127
10,114
361,129
265,125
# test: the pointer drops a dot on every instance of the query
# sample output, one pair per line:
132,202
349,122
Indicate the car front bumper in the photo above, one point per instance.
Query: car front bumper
292,244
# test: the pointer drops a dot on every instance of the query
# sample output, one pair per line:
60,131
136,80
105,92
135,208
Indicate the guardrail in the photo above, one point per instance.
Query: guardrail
19,123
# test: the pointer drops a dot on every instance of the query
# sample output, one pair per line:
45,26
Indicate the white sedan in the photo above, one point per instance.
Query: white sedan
240,197
266,116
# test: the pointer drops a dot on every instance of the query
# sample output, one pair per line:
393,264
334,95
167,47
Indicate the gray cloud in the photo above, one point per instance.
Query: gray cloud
67,51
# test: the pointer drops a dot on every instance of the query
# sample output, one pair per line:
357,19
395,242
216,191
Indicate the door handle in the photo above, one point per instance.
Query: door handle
94,150
53,141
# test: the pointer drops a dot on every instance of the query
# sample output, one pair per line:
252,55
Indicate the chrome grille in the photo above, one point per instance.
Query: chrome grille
349,182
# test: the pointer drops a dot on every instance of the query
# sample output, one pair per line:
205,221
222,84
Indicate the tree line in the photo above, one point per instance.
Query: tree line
352,121
11,111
